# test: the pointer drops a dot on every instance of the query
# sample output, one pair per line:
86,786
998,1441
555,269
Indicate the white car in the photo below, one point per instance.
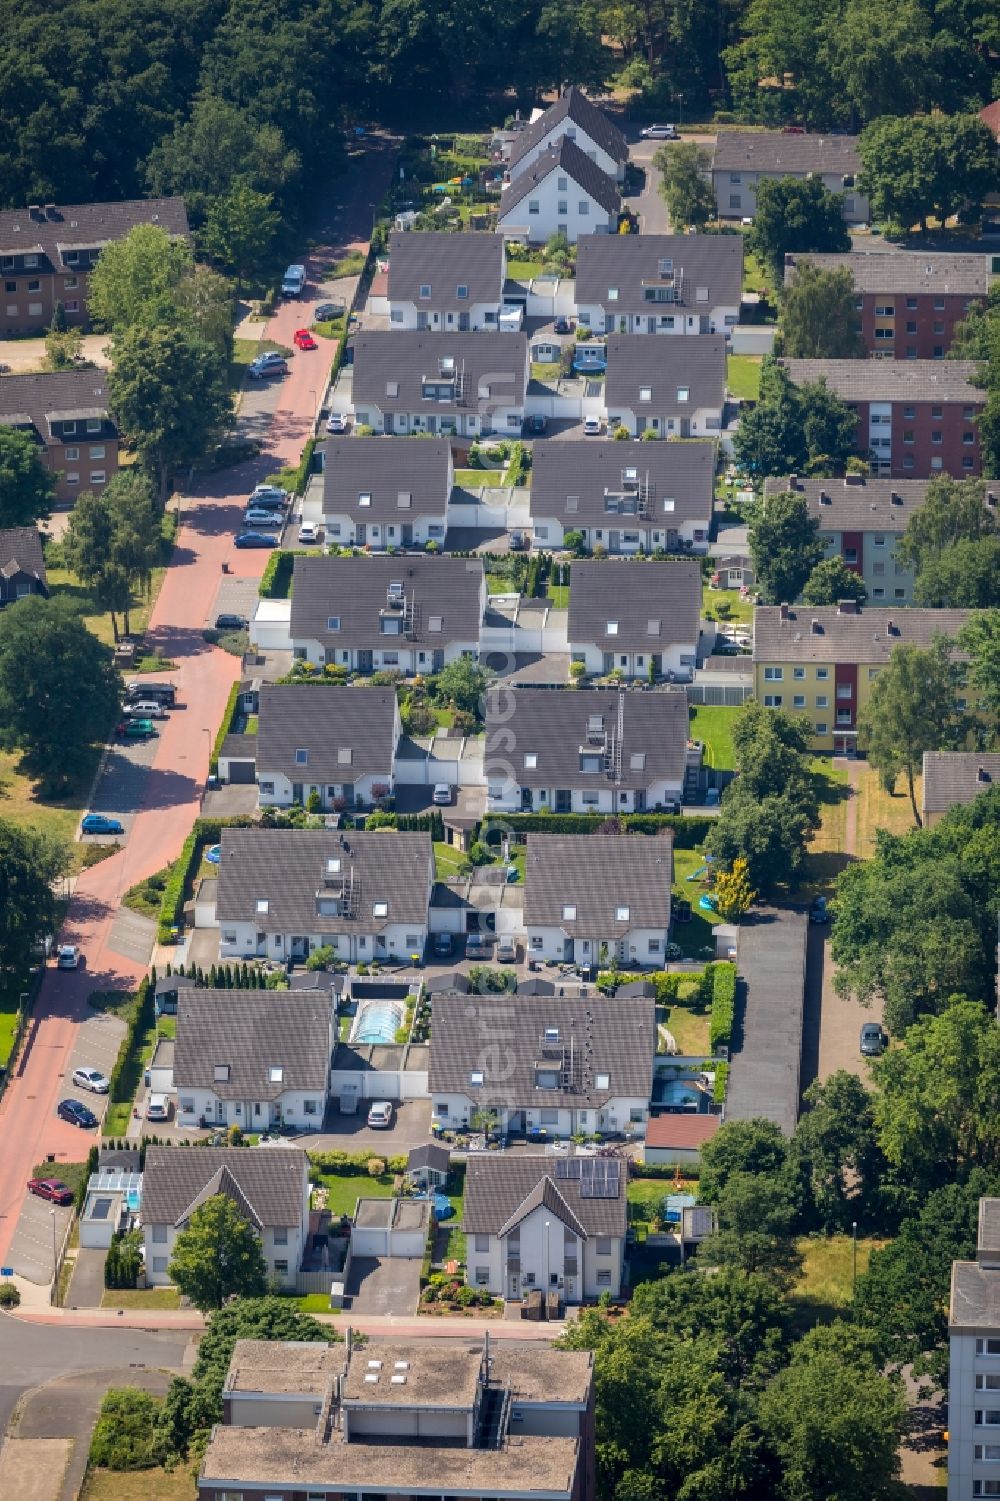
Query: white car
69,956
659,133
308,532
442,795
157,1108
592,427
338,422
269,493
380,1115
145,709
257,516
92,1079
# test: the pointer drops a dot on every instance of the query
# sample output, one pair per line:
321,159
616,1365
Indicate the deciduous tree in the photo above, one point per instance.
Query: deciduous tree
980,639
831,581
30,865
135,281
733,893
795,215
27,489
785,546
240,230
912,709
917,166
686,184
216,1255
819,319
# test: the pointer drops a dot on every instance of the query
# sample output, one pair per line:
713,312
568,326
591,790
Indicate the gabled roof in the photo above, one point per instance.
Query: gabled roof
565,156
390,368
386,479
666,367
779,155
346,733
431,1155
892,380
446,593
37,401
550,730
319,881
252,1044
953,777
651,605
856,503
501,1190
504,1037
591,483
445,262
705,271
598,885
829,633
268,1178
902,271
683,1131
573,109
58,227
222,1181
21,552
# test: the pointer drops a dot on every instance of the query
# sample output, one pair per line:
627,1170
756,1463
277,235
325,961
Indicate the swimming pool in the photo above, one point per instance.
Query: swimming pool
680,1094
377,1021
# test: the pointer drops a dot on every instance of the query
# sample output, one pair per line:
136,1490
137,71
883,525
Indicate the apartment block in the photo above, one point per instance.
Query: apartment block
66,414
974,1378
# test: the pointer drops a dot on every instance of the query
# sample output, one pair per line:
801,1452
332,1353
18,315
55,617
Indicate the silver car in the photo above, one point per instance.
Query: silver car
92,1079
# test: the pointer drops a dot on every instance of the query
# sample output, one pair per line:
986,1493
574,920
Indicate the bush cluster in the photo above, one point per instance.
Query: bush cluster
720,1027
689,833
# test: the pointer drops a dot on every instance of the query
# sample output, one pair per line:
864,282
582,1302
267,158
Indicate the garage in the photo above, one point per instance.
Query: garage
391,1228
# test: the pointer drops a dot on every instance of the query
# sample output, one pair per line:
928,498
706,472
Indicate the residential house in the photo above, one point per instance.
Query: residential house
506,1419
549,1065
744,158
589,900
861,521
909,303
561,191
624,499
66,413
380,495
254,1058
636,619
535,1224
337,743
672,388
268,1185
284,892
676,1137
414,613
659,284
954,778
974,1364
573,118
594,751
22,564
821,660
443,281
464,384
916,418
47,252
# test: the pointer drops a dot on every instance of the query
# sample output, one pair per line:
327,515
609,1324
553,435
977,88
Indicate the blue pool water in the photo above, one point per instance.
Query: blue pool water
679,1094
134,1201
378,1022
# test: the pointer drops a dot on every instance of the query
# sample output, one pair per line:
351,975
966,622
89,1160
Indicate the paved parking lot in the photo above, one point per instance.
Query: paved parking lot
39,1226
235,596
411,1127
121,783
98,1041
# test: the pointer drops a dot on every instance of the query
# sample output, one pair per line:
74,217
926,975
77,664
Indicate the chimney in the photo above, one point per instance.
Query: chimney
982,775
825,499
895,499
784,611
891,628
793,482
991,498
847,607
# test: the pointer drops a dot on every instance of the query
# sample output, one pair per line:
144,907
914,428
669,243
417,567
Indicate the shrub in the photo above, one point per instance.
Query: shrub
127,1435
721,1082
577,670
322,957
380,820
10,1295
689,833
229,714
720,1028
376,1167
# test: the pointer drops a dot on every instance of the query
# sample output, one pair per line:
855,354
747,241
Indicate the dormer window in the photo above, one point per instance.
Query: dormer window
683,393
302,757
425,290
622,914
380,909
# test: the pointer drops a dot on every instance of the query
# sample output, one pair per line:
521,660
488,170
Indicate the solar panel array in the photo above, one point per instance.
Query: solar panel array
568,1169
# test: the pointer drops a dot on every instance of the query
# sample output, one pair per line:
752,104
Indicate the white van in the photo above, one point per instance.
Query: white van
293,281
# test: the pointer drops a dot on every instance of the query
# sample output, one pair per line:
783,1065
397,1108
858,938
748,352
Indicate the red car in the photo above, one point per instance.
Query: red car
304,339
53,1189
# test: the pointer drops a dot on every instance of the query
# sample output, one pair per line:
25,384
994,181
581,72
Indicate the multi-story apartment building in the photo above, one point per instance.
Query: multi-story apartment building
66,413
744,158
659,284
974,1376
820,660
47,252
916,418
908,303
955,778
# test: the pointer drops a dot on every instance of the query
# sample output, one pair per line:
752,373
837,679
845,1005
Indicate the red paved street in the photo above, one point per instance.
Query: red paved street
29,1128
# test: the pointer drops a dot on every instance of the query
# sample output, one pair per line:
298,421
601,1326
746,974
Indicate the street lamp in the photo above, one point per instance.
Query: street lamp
854,1257
680,109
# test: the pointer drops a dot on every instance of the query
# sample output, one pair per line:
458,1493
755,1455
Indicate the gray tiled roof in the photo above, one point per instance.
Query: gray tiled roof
988,1231
22,546
86,225
631,263
553,726
975,1296
570,481
356,589
576,108
903,271
565,156
348,733
269,1179
892,380
254,1032
502,1036
857,504
579,884
32,399
665,365
777,154
390,367
953,777
444,262
767,1056
501,1190
655,604
402,478
287,868
865,637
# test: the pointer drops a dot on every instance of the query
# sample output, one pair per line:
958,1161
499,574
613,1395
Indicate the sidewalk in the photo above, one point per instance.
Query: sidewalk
408,1326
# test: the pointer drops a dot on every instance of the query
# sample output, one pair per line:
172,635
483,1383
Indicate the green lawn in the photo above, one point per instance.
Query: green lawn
524,270
695,935
22,804
714,727
473,479
141,1297
344,1191
557,595
824,1289
756,276
140,1485
689,1029
313,1303
448,861
743,375
726,606
545,371
73,1174
645,1198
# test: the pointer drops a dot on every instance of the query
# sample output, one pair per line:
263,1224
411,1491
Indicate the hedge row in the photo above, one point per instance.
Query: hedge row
225,727
720,1027
181,877
688,833
664,1169
276,580
721,1082
666,983
351,1164
124,1077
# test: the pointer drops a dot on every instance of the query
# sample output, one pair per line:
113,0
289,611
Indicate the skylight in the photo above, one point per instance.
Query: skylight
683,393
569,913
530,760
333,865
602,1081
365,498
276,1075
380,909
476,1076
262,904
621,914
612,627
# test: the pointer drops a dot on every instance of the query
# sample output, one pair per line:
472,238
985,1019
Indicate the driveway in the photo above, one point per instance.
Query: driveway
646,201
832,1025
411,1127
97,1045
384,1287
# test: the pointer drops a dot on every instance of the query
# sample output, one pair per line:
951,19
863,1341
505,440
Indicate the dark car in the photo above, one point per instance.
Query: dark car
563,325
537,423
874,1040
517,541
76,1114
96,823
255,539
53,1189
819,912
442,945
325,312
230,623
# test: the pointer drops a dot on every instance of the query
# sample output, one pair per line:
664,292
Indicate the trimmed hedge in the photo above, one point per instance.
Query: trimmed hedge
666,983
276,580
351,1164
721,1082
720,1027
664,1169
181,877
225,727
124,1077
688,833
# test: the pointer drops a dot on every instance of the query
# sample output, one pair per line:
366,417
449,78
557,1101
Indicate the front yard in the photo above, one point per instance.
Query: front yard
142,1298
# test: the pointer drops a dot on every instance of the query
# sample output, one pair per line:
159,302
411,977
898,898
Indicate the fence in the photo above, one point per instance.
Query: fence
718,695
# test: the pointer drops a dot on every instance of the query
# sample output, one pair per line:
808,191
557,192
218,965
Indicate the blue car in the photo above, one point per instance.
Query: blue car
96,823
76,1114
256,539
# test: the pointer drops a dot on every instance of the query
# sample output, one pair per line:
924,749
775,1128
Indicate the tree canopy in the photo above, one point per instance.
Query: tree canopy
30,865
819,319
917,166
686,184
217,1254
27,489
785,546
795,215
794,429
912,708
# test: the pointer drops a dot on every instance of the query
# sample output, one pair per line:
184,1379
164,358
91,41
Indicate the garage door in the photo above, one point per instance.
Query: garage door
242,771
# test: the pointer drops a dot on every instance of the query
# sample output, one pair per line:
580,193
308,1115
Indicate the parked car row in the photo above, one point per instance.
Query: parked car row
264,516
